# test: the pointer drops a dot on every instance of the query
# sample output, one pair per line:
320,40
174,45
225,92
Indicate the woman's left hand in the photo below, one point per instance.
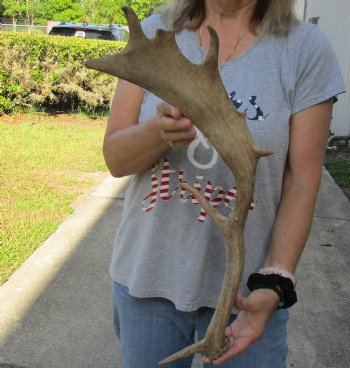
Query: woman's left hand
255,312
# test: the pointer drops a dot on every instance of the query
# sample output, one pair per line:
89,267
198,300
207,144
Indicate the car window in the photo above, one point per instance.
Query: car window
55,31
121,35
97,34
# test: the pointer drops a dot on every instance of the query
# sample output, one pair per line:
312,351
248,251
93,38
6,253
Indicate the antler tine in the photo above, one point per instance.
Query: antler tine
198,347
135,31
211,61
219,219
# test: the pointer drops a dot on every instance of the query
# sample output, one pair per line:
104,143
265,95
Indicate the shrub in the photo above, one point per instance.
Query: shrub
47,72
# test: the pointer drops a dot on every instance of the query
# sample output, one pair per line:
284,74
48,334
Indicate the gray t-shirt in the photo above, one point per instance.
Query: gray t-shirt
166,246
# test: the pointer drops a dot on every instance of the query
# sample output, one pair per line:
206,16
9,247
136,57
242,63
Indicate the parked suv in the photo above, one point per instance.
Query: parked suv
91,31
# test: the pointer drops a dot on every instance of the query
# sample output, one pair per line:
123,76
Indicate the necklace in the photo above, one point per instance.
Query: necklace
233,51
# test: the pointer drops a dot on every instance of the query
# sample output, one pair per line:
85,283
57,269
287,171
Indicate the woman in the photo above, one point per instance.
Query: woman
169,260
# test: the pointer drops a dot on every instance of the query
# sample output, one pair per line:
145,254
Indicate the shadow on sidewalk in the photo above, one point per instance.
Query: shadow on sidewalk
69,324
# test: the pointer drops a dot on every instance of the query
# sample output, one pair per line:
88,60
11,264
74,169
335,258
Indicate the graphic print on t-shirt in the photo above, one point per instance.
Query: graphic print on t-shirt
166,182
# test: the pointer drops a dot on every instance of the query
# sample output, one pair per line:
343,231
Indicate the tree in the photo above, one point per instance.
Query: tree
143,8
27,10
33,9
108,12
92,11
14,9
1,9
63,10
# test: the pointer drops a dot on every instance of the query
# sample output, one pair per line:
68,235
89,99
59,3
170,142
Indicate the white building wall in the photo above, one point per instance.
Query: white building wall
334,20
300,8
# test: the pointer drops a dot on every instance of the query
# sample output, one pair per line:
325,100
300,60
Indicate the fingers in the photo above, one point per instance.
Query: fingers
166,109
169,124
176,133
237,346
175,129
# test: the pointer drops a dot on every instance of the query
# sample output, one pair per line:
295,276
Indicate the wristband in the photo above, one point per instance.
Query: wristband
278,271
283,286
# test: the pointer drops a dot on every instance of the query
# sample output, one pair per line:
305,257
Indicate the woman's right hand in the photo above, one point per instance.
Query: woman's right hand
175,129
129,147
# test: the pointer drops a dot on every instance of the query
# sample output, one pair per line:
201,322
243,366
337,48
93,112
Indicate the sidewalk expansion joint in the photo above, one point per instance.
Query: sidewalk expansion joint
332,218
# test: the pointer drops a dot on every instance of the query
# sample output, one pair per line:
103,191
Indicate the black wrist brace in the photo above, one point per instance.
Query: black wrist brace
283,286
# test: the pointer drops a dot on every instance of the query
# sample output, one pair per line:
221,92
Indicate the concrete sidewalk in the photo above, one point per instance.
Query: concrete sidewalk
55,310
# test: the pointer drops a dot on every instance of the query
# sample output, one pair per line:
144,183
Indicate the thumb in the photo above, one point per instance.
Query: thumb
243,304
163,108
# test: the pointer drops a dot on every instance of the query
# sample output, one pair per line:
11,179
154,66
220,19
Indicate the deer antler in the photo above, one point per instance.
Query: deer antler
158,66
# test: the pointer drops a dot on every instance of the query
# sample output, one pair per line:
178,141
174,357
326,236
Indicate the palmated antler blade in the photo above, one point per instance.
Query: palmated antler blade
158,66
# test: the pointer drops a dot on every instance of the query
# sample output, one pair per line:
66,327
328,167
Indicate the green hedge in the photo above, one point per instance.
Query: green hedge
47,72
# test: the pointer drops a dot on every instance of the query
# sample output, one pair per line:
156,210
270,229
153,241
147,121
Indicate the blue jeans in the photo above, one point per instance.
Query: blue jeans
150,329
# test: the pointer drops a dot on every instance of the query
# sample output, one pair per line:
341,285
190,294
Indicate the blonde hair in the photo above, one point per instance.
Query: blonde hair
270,16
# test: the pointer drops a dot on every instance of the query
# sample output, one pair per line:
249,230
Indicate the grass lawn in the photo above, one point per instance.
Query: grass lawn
46,163
338,165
